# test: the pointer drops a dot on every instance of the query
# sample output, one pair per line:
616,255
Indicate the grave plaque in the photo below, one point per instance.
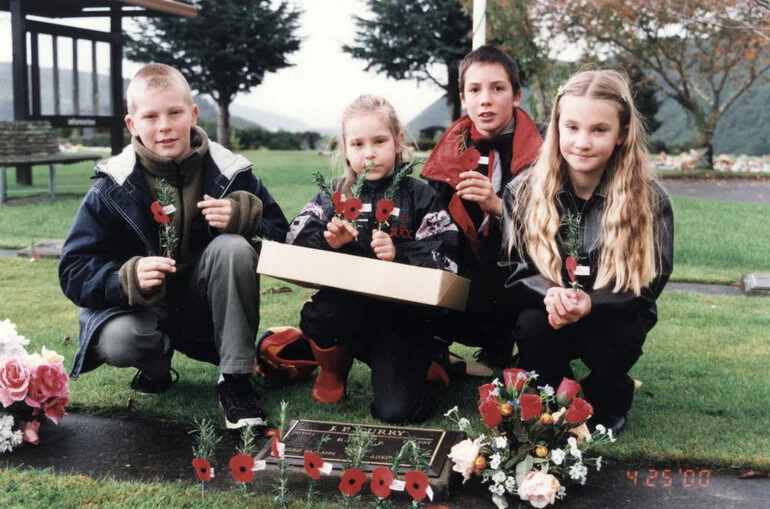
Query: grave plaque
303,435
756,284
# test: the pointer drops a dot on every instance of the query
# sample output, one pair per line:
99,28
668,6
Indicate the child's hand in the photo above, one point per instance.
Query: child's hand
152,270
477,187
566,306
383,246
339,232
216,212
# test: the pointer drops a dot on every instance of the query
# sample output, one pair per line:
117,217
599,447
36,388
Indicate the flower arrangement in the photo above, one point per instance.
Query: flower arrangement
344,208
534,441
33,388
162,210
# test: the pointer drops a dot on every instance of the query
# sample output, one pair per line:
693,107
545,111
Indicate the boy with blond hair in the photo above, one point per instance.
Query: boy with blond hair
139,303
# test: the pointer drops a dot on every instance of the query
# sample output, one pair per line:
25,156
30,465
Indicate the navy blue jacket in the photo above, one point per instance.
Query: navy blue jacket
114,223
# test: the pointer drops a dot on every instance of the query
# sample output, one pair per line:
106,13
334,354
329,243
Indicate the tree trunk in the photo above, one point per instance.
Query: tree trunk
707,133
454,105
223,122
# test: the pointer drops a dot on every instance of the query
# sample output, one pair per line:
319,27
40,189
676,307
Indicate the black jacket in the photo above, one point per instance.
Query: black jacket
525,286
422,236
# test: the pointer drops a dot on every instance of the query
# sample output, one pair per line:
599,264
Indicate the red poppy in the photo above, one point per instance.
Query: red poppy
531,406
567,390
352,209
313,464
381,479
202,468
515,377
469,159
571,264
485,391
579,411
490,412
352,481
416,484
339,203
274,449
241,466
158,213
384,209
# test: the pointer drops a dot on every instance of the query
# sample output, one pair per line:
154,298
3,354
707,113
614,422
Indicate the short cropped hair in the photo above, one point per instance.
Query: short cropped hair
153,77
489,54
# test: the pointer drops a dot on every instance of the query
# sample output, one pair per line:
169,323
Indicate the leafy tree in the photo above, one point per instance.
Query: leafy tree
226,49
700,53
404,37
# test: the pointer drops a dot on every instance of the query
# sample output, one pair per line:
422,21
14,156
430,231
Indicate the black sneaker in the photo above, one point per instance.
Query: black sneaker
240,402
144,385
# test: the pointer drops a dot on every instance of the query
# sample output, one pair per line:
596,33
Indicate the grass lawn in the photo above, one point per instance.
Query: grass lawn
704,385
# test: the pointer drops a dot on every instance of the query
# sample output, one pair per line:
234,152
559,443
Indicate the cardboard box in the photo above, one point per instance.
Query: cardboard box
387,280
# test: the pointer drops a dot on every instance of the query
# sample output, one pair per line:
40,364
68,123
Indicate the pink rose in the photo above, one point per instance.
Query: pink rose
47,381
54,407
14,380
464,455
29,431
539,489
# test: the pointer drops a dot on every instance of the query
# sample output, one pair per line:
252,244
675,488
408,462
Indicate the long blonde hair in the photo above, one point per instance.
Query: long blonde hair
628,235
364,105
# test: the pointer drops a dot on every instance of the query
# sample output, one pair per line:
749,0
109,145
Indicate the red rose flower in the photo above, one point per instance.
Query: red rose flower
158,213
352,209
485,391
490,413
567,390
313,464
579,411
381,479
571,264
515,377
416,484
202,468
337,201
469,159
531,406
352,481
384,209
241,466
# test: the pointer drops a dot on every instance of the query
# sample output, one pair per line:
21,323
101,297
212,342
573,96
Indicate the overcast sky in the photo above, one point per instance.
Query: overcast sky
323,79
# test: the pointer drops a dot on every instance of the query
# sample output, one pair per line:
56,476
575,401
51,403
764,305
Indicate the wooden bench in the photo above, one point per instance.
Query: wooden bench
26,143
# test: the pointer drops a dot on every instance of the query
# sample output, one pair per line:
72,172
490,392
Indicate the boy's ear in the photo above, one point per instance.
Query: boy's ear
401,138
517,99
129,123
194,114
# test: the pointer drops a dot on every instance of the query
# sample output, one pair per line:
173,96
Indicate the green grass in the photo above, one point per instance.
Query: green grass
704,387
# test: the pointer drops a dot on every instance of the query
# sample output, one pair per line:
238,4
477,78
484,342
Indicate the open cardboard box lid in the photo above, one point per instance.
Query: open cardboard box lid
395,281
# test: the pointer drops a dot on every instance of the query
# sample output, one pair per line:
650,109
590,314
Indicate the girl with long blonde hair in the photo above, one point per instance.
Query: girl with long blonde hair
590,237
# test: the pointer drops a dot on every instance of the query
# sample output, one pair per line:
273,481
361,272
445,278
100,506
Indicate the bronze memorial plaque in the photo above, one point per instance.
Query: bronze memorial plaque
303,435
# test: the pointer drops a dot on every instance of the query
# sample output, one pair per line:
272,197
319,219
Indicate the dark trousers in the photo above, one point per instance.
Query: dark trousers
609,346
394,339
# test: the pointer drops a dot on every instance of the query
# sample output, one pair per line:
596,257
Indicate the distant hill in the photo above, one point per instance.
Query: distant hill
240,116
743,129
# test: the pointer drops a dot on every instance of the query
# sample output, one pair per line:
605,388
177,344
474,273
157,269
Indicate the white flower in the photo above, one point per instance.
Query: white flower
499,477
494,461
464,455
601,429
609,434
10,342
533,375
501,442
463,423
546,389
45,356
557,456
598,463
578,472
562,492
497,383
510,484
451,411
500,501
576,453
572,441
480,439
8,438
497,489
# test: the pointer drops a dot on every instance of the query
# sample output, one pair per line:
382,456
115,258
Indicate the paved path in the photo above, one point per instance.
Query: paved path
738,190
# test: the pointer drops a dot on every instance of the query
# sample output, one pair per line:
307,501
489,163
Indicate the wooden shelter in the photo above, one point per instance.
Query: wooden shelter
31,19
